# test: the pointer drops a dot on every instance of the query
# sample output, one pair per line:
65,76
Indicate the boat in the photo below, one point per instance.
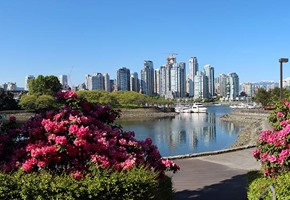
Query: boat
183,109
198,108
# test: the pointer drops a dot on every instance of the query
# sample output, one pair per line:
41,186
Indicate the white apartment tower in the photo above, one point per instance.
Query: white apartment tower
107,83
192,69
200,86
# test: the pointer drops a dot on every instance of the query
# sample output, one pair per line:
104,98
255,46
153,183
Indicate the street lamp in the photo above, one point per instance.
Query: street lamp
282,60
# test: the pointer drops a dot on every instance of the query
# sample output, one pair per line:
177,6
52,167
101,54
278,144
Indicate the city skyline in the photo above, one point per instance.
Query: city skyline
77,38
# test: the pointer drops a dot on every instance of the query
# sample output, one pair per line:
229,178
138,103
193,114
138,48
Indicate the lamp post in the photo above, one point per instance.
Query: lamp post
282,60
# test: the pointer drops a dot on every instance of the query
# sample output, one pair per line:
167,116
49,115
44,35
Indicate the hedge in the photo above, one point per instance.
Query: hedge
138,183
258,183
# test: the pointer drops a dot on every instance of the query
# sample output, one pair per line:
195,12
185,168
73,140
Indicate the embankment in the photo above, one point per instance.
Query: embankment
251,121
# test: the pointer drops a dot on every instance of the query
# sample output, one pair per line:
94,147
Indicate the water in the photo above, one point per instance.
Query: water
186,133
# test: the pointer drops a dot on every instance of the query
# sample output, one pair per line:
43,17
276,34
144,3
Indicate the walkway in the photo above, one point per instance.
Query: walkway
221,176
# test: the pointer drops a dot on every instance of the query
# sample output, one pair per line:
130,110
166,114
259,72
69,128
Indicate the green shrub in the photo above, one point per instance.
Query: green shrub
139,183
257,184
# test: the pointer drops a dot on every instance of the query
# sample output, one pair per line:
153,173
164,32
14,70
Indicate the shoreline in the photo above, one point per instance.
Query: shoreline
252,124
251,121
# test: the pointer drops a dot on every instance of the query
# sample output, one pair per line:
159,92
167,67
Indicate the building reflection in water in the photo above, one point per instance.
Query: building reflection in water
187,132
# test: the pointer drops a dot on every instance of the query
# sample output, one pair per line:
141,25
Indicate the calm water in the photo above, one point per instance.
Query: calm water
186,133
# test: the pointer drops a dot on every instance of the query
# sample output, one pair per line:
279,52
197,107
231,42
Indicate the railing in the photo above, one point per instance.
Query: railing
265,192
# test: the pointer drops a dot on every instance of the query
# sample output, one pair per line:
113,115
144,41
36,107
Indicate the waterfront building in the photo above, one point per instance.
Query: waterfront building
107,84
123,79
200,85
209,72
95,82
147,78
248,89
192,69
134,82
217,86
63,81
27,79
157,81
234,86
223,85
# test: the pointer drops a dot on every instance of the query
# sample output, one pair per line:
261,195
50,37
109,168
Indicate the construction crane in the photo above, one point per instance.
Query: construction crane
69,80
172,57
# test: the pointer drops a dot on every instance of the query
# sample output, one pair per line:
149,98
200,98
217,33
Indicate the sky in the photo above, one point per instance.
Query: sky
80,37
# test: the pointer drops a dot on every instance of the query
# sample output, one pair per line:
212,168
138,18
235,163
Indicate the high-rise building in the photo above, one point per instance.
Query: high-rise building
107,82
147,78
134,82
248,88
234,86
182,79
200,86
224,88
209,72
63,81
27,79
157,85
95,82
123,79
192,69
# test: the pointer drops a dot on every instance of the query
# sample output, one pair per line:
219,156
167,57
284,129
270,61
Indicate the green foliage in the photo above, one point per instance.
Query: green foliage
44,85
125,99
271,97
37,103
139,183
282,108
257,184
6,100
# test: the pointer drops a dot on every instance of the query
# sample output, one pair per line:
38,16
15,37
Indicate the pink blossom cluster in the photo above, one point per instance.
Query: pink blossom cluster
273,146
73,139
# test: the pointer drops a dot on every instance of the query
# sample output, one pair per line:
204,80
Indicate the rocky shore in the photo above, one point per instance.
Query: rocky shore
251,122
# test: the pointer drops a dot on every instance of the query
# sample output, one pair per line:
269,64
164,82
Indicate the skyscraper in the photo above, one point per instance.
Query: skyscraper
147,78
192,69
234,86
157,86
209,72
63,81
134,82
107,82
123,79
95,82
200,85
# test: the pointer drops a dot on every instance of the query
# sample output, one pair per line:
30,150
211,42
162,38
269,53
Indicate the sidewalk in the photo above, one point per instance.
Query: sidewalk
221,176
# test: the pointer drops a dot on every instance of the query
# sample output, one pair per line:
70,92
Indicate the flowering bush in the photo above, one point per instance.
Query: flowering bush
273,146
73,138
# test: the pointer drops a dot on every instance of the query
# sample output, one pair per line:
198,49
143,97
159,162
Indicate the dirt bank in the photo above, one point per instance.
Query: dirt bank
252,122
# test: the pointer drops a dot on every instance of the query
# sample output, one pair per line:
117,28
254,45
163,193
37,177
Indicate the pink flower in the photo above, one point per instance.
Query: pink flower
256,153
280,114
61,140
73,129
272,158
77,175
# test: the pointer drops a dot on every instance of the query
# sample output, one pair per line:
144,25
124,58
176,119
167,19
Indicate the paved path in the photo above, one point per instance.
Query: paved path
220,176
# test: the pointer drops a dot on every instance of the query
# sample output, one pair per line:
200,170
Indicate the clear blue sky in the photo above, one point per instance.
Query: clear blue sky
79,37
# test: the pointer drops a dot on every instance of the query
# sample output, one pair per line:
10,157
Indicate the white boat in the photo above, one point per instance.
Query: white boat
183,109
198,108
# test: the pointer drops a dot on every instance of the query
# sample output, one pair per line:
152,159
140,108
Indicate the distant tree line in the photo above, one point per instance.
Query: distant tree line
43,90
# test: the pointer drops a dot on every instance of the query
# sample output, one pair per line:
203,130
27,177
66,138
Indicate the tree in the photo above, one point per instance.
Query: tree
44,85
37,103
6,100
